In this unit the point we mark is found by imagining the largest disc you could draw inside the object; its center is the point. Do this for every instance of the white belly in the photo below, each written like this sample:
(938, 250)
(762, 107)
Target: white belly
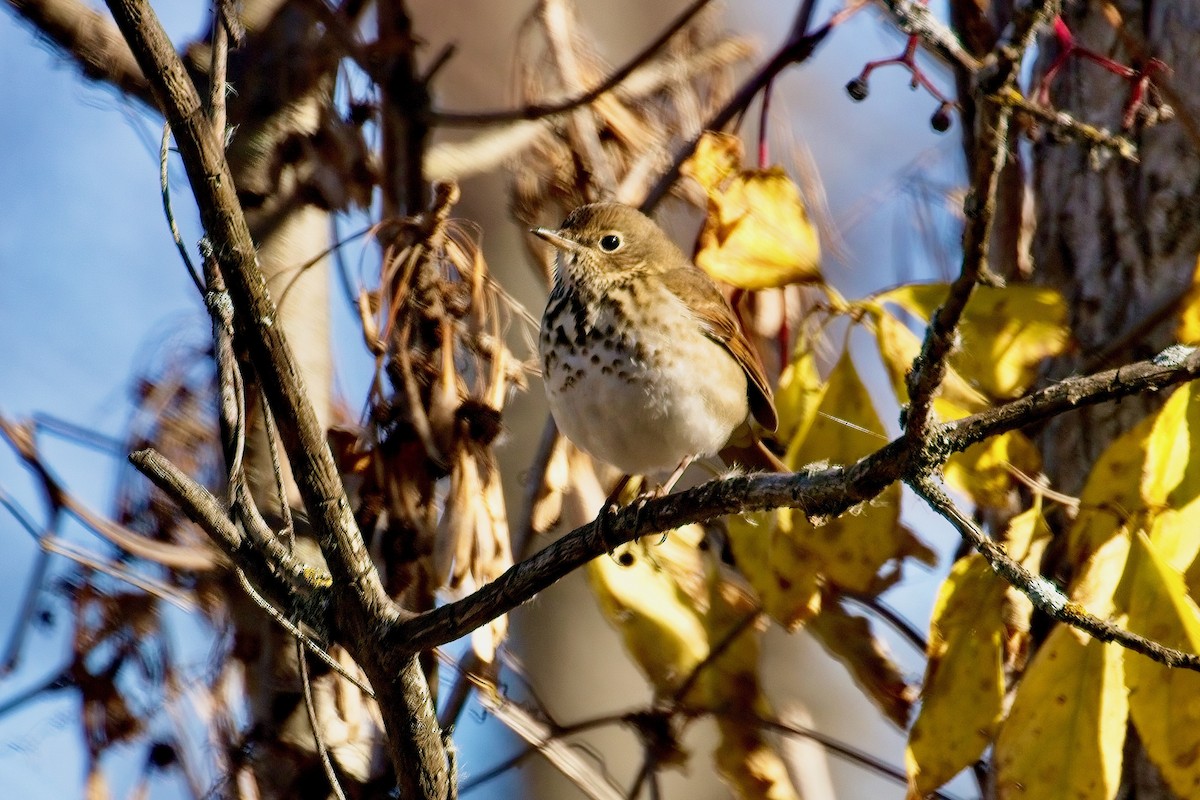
(644, 415)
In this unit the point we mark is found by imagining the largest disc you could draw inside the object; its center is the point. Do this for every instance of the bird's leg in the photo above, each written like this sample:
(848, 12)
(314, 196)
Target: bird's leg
(666, 488)
(612, 504)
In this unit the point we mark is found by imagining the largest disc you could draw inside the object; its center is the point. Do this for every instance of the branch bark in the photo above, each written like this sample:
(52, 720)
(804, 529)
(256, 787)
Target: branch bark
(90, 39)
(820, 492)
(360, 606)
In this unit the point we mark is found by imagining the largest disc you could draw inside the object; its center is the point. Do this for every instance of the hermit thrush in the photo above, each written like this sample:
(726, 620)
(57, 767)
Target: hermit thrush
(645, 364)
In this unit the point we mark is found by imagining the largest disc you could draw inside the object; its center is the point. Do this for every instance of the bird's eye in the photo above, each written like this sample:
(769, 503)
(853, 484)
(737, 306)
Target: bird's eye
(610, 242)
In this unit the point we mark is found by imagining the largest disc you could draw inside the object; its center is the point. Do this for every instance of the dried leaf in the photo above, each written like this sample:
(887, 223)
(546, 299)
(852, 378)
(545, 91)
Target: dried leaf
(456, 530)
(850, 639)
(757, 234)
(750, 765)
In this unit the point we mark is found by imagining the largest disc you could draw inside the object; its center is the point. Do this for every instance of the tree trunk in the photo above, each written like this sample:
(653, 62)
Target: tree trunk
(1118, 239)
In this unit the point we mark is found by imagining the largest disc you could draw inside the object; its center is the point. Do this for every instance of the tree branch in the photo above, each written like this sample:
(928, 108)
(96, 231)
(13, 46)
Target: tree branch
(280, 576)
(539, 110)
(797, 48)
(88, 38)
(233, 248)
(917, 19)
(817, 492)
(359, 604)
(1045, 595)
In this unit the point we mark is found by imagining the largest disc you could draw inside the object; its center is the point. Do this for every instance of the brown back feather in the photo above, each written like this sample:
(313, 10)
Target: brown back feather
(721, 325)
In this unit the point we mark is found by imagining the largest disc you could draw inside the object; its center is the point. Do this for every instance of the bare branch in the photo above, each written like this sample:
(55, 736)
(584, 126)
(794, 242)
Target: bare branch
(234, 250)
(1047, 597)
(917, 19)
(277, 578)
(88, 37)
(358, 603)
(991, 152)
(539, 110)
(796, 49)
(817, 492)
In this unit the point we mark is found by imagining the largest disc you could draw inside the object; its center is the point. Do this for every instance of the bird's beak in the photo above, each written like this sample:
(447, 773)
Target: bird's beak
(555, 238)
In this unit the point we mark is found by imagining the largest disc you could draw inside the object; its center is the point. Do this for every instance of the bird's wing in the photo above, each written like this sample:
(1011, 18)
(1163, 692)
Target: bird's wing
(697, 290)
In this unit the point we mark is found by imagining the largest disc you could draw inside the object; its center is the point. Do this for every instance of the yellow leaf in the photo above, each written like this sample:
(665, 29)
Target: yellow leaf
(799, 394)
(1026, 540)
(778, 565)
(963, 692)
(717, 157)
(1188, 331)
(851, 548)
(1171, 477)
(757, 234)
(849, 638)
(1063, 737)
(1005, 332)
(898, 346)
(1165, 703)
(646, 592)
(1111, 496)
(979, 624)
(984, 470)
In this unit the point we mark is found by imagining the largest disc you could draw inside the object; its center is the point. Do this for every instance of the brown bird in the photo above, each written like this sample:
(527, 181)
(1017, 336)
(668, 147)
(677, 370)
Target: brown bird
(644, 362)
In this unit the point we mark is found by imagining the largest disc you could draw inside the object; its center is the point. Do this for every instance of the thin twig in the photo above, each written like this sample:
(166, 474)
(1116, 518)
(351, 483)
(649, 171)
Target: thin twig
(313, 646)
(716, 651)
(175, 556)
(929, 367)
(285, 511)
(330, 773)
(797, 48)
(204, 509)
(540, 110)
(78, 434)
(1065, 125)
(233, 247)
(29, 605)
(164, 183)
(94, 561)
(893, 618)
(849, 753)
(1044, 595)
